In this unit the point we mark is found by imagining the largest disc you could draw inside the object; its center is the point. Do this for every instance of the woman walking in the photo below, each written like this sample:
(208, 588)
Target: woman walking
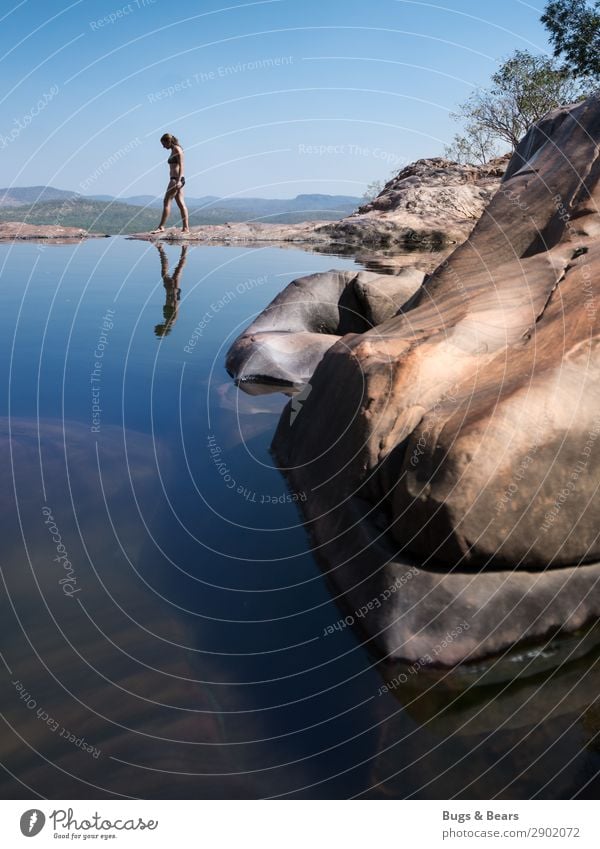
(176, 183)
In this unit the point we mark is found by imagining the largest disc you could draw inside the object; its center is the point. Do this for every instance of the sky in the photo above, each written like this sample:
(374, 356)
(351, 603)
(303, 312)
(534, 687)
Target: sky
(271, 98)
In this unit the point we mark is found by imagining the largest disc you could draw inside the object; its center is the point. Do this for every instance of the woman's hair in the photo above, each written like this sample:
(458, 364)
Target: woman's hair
(169, 139)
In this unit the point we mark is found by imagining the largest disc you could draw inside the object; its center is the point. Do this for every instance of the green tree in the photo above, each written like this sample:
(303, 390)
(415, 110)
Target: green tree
(522, 90)
(574, 27)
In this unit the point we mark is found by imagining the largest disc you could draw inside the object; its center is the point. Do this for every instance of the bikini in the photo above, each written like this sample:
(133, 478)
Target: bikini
(174, 160)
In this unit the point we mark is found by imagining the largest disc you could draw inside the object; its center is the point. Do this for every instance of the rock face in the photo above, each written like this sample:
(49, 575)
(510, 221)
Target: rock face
(431, 204)
(452, 485)
(17, 230)
(288, 339)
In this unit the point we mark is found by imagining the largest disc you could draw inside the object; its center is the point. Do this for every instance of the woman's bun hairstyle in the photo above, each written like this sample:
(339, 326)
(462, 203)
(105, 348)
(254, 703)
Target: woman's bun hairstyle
(169, 139)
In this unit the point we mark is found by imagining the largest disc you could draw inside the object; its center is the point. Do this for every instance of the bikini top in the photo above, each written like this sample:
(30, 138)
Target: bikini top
(172, 160)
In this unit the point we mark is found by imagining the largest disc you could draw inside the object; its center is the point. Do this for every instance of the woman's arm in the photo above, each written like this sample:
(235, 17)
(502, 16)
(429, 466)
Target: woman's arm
(181, 161)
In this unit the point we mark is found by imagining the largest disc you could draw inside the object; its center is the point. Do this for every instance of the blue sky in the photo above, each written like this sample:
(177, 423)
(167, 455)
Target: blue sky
(271, 99)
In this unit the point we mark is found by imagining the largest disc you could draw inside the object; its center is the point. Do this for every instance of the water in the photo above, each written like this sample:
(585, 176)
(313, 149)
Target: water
(163, 621)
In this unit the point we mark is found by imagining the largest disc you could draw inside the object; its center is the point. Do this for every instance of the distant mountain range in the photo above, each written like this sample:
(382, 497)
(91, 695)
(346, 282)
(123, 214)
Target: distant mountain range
(26, 195)
(107, 214)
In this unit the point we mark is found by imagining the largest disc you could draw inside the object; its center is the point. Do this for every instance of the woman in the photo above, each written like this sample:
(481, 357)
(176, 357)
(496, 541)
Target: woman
(176, 183)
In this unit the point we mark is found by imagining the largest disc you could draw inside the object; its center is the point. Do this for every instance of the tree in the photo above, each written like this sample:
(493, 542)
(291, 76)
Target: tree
(574, 27)
(522, 90)
(373, 189)
(477, 145)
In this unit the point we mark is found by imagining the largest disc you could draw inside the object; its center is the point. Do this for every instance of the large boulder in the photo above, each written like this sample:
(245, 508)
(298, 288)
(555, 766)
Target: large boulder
(455, 486)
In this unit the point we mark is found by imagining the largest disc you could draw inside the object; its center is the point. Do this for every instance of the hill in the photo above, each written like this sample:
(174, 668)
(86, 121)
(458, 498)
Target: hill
(27, 195)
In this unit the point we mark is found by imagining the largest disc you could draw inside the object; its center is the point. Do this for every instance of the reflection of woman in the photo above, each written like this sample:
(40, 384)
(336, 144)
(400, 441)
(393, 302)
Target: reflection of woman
(176, 183)
(172, 290)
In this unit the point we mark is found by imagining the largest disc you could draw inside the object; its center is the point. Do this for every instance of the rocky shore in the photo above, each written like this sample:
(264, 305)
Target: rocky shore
(11, 231)
(241, 232)
(430, 205)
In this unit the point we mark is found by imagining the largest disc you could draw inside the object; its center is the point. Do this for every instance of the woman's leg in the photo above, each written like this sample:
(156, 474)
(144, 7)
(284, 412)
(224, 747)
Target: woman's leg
(169, 195)
(183, 209)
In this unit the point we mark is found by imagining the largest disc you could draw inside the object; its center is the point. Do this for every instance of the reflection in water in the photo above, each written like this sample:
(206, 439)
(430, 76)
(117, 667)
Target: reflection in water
(522, 725)
(172, 289)
(147, 666)
(380, 261)
(196, 656)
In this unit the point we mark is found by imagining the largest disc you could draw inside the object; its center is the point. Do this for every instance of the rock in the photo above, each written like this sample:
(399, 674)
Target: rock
(16, 230)
(242, 232)
(288, 339)
(431, 204)
(383, 295)
(456, 480)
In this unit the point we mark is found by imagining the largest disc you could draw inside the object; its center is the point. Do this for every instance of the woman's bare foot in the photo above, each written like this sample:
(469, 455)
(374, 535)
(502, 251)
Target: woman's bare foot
(185, 229)
(158, 230)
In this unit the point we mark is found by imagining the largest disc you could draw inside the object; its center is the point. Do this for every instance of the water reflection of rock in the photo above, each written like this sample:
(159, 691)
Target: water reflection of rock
(517, 726)
(250, 414)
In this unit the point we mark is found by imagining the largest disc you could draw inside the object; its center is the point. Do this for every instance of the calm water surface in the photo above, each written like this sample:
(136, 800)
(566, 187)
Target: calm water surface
(162, 617)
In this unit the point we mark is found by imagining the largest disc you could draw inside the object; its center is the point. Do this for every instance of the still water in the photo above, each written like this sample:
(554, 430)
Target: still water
(165, 630)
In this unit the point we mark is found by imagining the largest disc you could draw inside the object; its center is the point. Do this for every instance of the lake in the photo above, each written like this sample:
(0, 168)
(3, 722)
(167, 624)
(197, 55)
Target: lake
(165, 629)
